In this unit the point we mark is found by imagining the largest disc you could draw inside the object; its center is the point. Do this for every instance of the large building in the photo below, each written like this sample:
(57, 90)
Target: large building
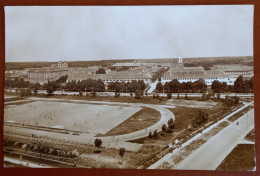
(123, 76)
(192, 74)
(235, 70)
(13, 74)
(45, 74)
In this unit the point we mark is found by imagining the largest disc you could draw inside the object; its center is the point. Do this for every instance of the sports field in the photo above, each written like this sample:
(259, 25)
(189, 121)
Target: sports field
(98, 119)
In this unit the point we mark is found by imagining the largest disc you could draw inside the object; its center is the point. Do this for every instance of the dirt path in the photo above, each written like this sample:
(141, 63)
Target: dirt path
(213, 152)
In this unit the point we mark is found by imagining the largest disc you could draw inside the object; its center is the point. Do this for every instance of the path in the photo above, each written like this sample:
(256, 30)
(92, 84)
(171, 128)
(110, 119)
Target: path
(24, 163)
(152, 87)
(169, 155)
(214, 151)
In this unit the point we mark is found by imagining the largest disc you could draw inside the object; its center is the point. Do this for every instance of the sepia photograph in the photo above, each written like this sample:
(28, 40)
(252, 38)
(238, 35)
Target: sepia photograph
(166, 87)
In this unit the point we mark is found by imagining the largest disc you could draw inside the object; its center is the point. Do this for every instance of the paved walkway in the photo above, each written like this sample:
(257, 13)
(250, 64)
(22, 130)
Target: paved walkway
(152, 87)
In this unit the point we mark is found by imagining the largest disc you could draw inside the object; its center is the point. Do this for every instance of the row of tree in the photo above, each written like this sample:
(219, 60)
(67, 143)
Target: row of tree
(240, 86)
(88, 85)
(176, 87)
(126, 86)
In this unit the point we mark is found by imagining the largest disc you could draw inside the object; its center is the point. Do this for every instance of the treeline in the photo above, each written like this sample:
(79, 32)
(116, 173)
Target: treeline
(176, 87)
(126, 86)
(103, 63)
(207, 65)
(23, 65)
(240, 86)
(88, 85)
(25, 87)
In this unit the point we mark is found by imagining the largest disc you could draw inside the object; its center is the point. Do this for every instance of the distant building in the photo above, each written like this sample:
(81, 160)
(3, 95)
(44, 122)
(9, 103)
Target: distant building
(179, 67)
(61, 65)
(122, 76)
(235, 70)
(45, 74)
(192, 76)
(135, 64)
(13, 74)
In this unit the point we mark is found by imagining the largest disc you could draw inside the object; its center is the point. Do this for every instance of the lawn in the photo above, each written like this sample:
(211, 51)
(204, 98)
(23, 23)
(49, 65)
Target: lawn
(241, 158)
(140, 120)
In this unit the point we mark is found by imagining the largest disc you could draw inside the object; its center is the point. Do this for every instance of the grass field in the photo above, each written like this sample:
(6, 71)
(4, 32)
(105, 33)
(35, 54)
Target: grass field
(140, 120)
(241, 158)
(98, 119)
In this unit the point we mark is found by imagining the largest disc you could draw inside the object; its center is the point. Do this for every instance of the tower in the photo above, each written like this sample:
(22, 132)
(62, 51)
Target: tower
(180, 60)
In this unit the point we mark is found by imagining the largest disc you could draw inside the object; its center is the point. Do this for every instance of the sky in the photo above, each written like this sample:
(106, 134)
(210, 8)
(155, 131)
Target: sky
(127, 32)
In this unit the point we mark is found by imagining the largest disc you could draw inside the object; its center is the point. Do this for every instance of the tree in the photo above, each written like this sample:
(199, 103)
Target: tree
(51, 87)
(218, 96)
(122, 152)
(249, 85)
(159, 87)
(150, 135)
(186, 96)
(26, 92)
(188, 86)
(236, 100)
(98, 142)
(216, 86)
(139, 94)
(171, 123)
(169, 95)
(202, 117)
(174, 86)
(203, 96)
(155, 134)
(36, 87)
(164, 127)
(239, 85)
(101, 71)
(200, 86)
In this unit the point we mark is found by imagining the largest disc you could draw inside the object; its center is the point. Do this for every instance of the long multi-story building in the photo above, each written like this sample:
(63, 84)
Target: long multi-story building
(235, 70)
(226, 73)
(123, 76)
(45, 74)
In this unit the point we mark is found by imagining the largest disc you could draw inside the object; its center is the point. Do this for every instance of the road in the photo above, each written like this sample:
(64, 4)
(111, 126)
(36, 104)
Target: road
(167, 157)
(214, 151)
(150, 93)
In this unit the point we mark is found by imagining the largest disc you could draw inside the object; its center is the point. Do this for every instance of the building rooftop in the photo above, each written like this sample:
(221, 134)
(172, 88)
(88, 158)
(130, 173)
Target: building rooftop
(112, 76)
(234, 67)
(194, 74)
